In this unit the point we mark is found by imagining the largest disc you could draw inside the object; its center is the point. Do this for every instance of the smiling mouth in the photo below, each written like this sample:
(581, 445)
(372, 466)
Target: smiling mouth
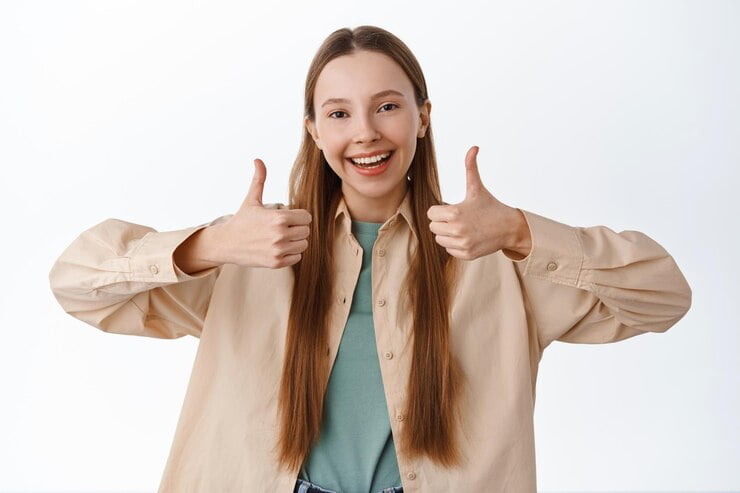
(371, 165)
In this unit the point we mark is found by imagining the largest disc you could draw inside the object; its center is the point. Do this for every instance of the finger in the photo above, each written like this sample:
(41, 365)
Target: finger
(444, 213)
(297, 217)
(473, 183)
(443, 228)
(298, 232)
(254, 195)
(458, 253)
(291, 259)
(447, 241)
(298, 246)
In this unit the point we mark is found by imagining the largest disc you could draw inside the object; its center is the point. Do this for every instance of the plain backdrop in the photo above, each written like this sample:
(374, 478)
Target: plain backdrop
(624, 114)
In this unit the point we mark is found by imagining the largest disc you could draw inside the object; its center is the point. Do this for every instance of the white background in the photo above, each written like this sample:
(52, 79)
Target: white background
(625, 114)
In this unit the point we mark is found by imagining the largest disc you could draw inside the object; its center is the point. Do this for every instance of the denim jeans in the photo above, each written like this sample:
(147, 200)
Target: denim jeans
(303, 486)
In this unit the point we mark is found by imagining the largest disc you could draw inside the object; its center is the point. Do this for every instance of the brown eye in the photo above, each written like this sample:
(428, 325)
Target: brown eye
(389, 104)
(334, 113)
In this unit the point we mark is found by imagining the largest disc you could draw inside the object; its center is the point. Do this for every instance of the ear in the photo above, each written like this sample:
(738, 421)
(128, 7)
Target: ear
(424, 112)
(311, 126)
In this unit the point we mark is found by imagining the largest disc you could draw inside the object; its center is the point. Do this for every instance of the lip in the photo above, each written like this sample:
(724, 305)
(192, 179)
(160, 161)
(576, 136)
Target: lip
(369, 154)
(374, 171)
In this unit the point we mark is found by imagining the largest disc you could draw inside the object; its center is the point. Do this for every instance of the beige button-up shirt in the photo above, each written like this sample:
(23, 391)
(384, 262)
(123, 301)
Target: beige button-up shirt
(578, 284)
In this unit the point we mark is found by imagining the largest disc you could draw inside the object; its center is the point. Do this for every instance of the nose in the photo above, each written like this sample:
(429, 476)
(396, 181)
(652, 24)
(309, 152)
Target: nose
(365, 130)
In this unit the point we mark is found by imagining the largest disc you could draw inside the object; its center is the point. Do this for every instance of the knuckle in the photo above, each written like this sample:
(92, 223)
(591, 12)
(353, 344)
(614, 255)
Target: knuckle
(280, 219)
(291, 260)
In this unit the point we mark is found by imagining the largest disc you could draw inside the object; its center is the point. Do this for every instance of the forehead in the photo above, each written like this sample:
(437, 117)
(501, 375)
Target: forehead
(360, 75)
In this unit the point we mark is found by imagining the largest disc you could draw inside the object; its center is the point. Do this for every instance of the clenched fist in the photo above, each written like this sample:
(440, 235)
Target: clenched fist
(480, 224)
(257, 236)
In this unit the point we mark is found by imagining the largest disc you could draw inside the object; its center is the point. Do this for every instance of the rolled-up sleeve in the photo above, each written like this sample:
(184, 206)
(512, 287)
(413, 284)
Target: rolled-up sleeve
(594, 285)
(121, 277)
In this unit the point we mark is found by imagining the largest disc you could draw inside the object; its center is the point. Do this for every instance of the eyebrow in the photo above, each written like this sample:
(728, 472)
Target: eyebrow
(381, 94)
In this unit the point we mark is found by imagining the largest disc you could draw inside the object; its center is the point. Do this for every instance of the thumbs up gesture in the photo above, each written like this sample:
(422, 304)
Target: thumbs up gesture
(257, 236)
(480, 224)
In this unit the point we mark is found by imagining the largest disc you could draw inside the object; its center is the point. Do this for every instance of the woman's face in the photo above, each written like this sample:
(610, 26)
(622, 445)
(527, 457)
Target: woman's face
(364, 106)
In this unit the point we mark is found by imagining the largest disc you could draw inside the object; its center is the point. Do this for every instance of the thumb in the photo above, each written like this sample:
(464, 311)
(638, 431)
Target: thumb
(473, 183)
(254, 196)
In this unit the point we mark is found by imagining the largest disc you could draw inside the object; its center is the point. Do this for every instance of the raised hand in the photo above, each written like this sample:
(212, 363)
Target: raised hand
(480, 224)
(257, 236)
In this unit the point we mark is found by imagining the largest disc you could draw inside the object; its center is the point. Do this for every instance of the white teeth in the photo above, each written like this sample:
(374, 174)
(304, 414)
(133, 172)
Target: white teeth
(370, 160)
(369, 166)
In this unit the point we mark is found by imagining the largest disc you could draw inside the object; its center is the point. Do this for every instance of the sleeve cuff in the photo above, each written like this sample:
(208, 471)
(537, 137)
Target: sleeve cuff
(153, 260)
(557, 252)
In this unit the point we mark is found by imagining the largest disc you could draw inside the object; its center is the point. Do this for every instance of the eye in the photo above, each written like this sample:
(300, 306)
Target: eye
(389, 104)
(334, 113)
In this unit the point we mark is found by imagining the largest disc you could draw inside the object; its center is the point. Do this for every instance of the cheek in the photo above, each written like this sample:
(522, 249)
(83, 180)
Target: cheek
(335, 158)
(402, 130)
(338, 170)
(334, 145)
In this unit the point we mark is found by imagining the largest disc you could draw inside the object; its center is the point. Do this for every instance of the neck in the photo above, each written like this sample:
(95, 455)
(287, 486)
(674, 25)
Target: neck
(374, 209)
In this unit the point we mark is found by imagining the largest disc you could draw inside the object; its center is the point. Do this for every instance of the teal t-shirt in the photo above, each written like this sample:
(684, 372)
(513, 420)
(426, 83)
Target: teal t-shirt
(355, 452)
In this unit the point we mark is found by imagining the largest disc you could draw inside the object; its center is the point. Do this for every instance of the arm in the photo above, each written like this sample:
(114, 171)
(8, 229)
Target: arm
(121, 277)
(594, 285)
(520, 244)
(194, 254)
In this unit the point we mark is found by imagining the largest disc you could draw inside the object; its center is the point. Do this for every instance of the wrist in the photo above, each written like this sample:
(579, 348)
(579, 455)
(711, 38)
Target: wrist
(520, 239)
(198, 252)
(208, 246)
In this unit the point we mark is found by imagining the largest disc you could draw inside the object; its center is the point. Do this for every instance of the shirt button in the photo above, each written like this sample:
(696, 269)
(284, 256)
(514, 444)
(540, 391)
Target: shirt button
(154, 269)
(381, 302)
(411, 475)
(381, 252)
(552, 266)
(388, 355)
(399, 417)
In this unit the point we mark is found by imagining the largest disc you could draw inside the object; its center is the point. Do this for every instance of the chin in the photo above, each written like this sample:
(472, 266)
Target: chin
(376, 190)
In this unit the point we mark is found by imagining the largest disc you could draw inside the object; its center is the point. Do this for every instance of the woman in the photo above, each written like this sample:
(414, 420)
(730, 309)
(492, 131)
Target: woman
(367, 336)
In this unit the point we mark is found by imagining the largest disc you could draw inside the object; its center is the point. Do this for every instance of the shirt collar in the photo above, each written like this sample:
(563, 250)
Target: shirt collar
(404, 210)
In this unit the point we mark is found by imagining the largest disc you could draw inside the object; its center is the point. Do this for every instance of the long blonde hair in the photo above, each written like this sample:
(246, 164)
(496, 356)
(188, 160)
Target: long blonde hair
(435, 379)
